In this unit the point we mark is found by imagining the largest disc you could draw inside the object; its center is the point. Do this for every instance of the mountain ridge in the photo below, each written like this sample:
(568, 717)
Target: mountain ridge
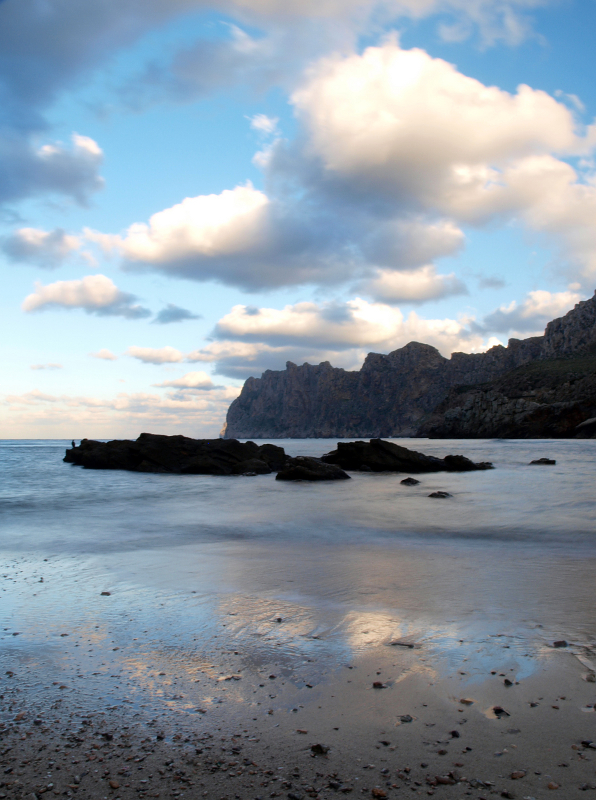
(414, 390)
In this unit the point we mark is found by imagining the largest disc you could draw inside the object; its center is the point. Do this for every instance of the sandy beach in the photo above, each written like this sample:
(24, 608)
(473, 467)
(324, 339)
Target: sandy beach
(389, 723)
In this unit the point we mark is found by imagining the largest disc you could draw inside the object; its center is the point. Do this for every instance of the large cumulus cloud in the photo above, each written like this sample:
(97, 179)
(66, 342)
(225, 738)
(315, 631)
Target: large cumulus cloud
(397, 153)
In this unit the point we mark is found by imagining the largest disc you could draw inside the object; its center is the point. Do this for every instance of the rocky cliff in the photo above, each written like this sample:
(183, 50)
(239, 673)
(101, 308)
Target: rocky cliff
(507, 391)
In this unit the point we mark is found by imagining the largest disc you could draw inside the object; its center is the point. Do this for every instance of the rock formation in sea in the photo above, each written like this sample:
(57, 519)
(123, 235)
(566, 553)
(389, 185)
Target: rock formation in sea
(535, 387)
(184, 456)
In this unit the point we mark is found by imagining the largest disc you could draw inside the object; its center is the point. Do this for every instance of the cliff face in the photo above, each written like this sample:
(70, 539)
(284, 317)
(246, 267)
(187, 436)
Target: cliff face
(415, 390)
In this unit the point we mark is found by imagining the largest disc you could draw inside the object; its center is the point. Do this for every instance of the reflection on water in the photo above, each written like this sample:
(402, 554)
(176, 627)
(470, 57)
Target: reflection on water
(210, 575)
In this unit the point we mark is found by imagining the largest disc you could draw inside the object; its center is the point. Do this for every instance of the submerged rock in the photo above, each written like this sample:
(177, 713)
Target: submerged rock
(178, 454)
(410, 482)
(304, 468)
(382, 456)
(543, 461)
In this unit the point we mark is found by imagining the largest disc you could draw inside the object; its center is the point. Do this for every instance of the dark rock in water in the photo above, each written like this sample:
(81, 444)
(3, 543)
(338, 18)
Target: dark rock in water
(560, 643)
(440, 495)
(304, 468)
(382, 456)
(410, 482)
(255, 466)
(178, 454)
(549, 461)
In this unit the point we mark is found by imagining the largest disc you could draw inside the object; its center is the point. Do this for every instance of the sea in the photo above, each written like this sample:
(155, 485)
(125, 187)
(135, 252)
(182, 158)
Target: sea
(136, 572)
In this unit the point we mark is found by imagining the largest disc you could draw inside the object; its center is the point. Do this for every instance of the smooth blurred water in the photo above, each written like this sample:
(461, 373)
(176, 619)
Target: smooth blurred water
(195, 561)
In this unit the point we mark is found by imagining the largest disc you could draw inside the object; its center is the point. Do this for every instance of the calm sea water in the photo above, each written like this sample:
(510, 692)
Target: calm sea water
(198, 561)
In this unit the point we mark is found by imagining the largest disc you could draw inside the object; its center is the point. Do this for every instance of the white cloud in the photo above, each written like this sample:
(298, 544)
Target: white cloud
(152, 355)
(95, 294)
(532, 315)
(264, 124)
(401, 122)
(355, 323)
(125, 415)
(417, 286)
(46, 366)
(47, 249)
(206, 226)
(192, 380)
(104, 355)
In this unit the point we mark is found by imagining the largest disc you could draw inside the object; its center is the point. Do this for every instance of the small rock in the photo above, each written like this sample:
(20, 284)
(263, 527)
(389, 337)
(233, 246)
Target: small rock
(455, 734)
(379, 793)
(466, 701)
(500, 711)
(406, 718)
(445, 780)
(545, 461)
(409, 482)
(114, 784)
(403, 643)
(519, 773)
(319, 749)
(440, 495)
(105, 594)
(553, 785)
(560, 643)
(379, 685)
(507, 682)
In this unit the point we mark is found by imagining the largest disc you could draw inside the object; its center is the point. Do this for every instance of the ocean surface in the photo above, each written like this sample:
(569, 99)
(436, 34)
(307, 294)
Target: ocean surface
(200, 565)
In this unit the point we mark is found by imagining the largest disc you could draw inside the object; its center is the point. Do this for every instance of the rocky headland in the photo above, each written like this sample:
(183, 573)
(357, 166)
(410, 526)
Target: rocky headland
(543, 386)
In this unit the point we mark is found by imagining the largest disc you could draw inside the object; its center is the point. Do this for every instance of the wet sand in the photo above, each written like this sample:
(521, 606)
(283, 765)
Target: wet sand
(393, 721)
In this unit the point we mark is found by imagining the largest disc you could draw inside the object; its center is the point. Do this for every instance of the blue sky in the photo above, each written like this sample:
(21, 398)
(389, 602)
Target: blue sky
(192, 192)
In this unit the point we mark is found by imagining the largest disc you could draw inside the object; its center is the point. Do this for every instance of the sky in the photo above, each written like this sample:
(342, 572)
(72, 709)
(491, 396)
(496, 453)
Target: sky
(195, 191)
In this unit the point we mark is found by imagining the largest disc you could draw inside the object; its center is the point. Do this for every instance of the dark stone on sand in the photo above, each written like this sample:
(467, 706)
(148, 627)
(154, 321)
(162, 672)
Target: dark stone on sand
(178, 454)
(304, 468)
(382, 456)
(560, 643)
(409, 482)
(440, 495)
(543, 461)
